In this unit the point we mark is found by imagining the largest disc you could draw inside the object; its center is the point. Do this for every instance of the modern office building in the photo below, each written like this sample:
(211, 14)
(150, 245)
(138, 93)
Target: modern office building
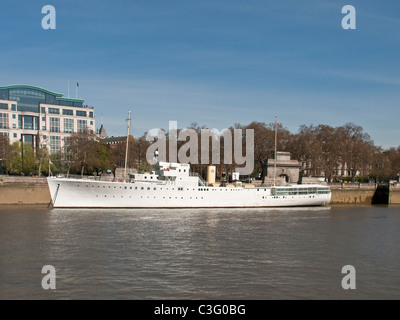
(40, 117)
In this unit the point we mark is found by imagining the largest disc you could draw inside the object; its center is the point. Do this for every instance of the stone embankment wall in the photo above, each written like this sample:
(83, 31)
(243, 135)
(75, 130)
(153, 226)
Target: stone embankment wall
(340, 196)
(361, 194)
(29, 190)
(394, 196)
(24, 190)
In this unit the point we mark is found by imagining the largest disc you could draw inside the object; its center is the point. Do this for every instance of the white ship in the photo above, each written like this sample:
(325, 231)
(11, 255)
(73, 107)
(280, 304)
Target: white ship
(172, 185)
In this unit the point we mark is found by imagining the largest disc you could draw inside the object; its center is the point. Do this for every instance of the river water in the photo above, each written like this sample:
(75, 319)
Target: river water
(256, 254)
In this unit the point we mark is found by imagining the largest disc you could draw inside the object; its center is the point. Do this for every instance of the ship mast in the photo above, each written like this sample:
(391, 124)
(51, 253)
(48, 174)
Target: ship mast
(127, 145)
(276, 134)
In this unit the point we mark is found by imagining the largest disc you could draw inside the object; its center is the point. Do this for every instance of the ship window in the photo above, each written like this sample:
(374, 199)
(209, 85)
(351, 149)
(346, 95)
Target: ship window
(148, 188)
(130, 188)
(135, 188)
(155, 189)
(142, 188)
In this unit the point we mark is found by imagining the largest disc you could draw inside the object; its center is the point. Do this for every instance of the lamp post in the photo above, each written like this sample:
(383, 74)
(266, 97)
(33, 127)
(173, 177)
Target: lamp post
(22, 152)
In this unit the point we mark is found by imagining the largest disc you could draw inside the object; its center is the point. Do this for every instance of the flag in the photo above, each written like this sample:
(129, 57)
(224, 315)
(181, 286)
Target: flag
(77, 84)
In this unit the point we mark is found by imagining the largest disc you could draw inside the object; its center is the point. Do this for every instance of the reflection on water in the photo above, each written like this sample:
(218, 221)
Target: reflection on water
(291, 253)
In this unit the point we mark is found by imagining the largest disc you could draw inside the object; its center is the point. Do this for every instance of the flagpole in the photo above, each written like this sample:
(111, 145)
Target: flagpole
(275, 151)
(77, 85)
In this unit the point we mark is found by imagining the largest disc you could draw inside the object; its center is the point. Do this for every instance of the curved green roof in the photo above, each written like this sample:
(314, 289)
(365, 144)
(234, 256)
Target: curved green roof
(59, 96)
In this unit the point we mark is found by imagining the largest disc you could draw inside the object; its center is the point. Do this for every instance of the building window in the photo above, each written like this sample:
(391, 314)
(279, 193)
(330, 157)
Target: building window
(81, 113)
(54, 110)
(13, 116)
(15, 135)
(4, 106)
(54, 124)
(82, 125)
(43, 110)
(55, 144)
(4, 94)
(3, 120)
(91, 114)
(68, 112)
(14, 107)
(30, 123)
(28, 99)
(68, 125)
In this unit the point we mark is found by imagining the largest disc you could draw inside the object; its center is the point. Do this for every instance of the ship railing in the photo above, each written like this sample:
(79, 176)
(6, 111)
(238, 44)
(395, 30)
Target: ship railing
(202, 182)
(80, 177)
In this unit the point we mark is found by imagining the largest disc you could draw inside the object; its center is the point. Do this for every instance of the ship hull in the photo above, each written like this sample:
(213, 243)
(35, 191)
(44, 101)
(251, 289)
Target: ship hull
(73, 193)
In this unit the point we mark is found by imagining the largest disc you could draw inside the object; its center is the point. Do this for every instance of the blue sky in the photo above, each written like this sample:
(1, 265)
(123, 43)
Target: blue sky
(213, 62)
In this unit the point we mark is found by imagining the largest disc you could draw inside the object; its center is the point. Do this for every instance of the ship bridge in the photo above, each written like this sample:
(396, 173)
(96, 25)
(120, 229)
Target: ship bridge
(170, 173)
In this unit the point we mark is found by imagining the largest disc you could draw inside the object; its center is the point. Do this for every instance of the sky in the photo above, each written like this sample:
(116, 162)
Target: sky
(213, 62)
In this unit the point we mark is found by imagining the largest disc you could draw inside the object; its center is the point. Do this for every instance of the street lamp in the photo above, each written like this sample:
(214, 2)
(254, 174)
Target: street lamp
(22, 152)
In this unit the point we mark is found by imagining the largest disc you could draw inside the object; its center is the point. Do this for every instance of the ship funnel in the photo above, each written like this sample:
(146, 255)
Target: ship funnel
(211, 172)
